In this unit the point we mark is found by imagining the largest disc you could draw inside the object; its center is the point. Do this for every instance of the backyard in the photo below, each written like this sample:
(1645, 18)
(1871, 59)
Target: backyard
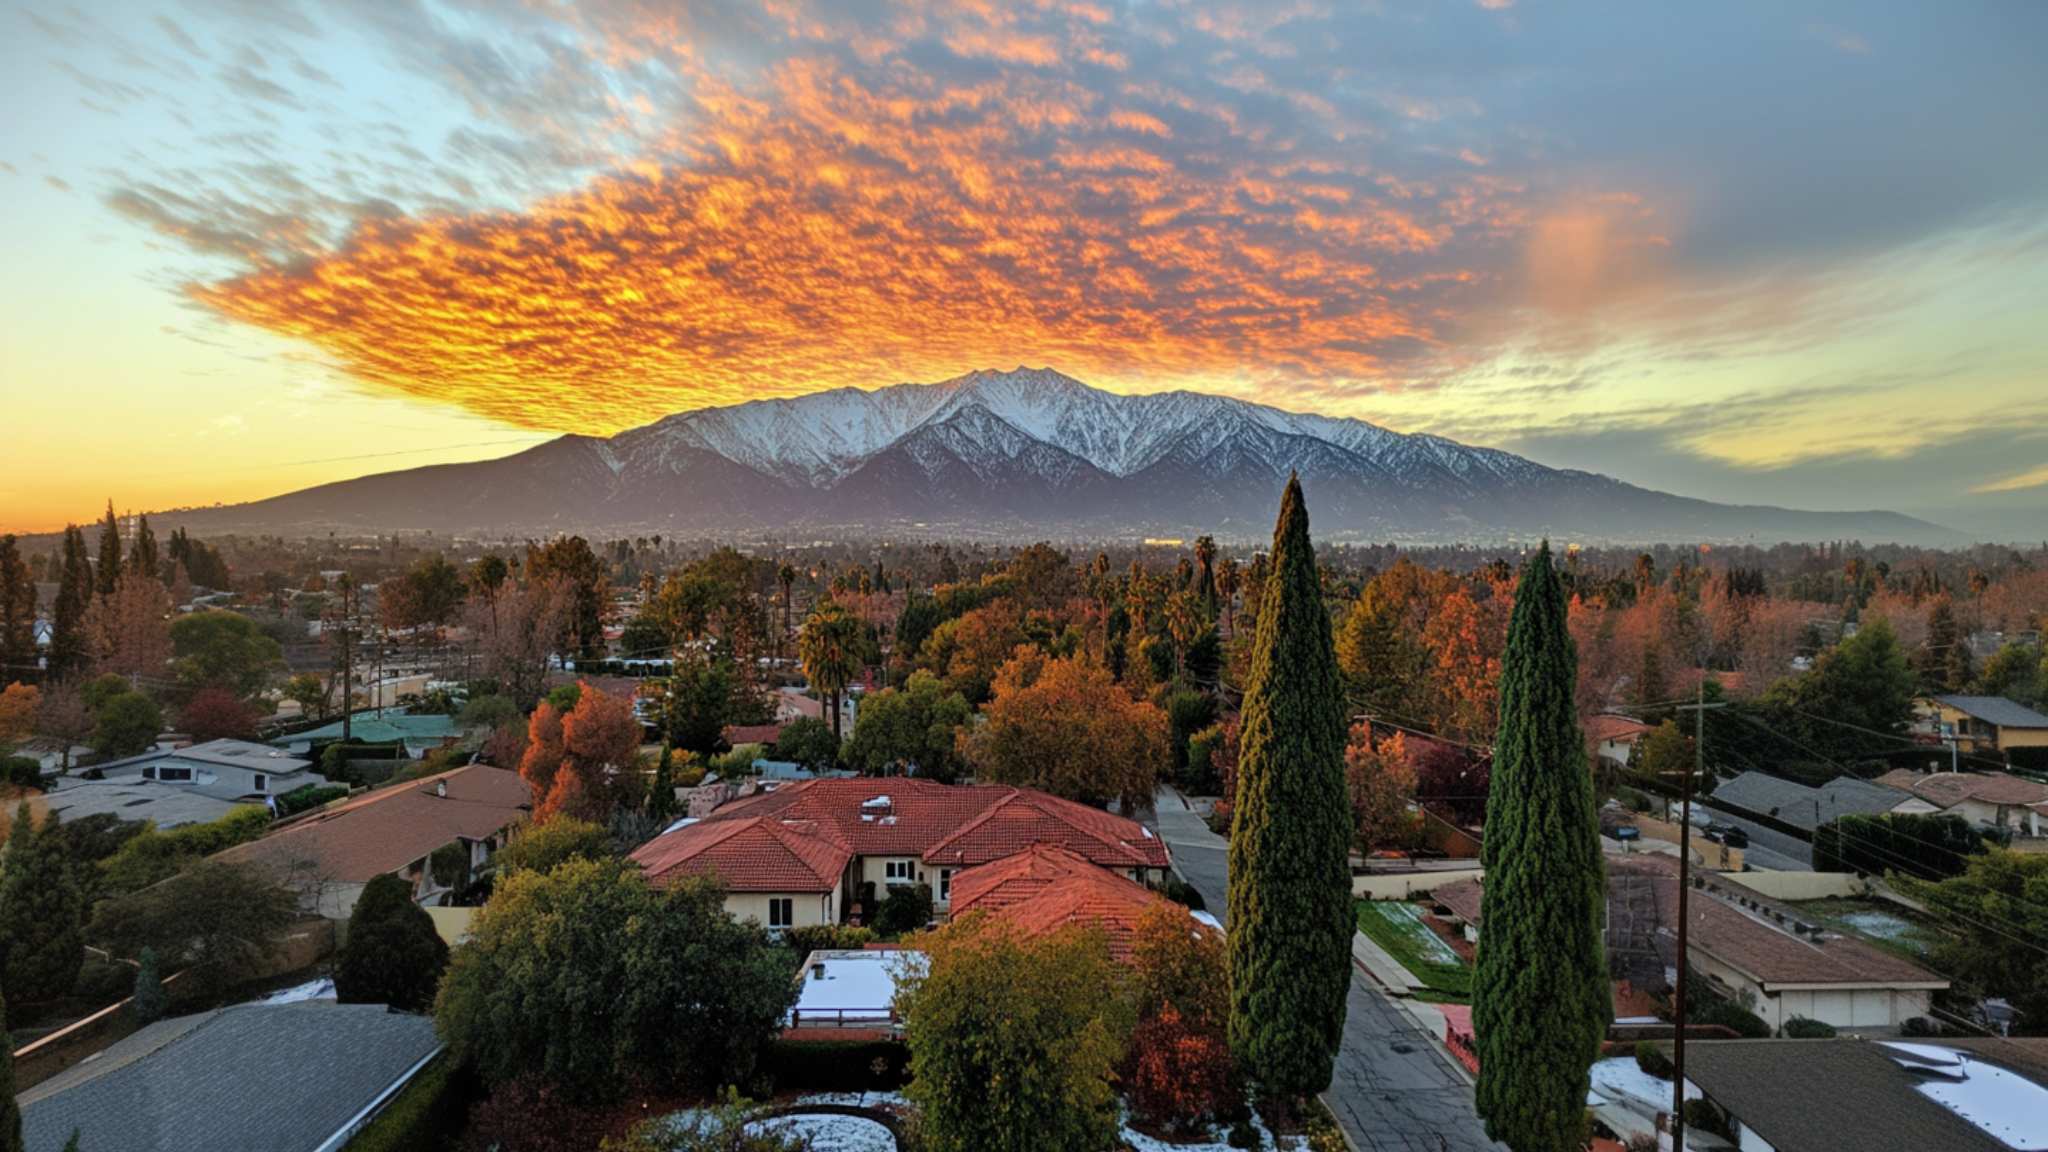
(1401, 930)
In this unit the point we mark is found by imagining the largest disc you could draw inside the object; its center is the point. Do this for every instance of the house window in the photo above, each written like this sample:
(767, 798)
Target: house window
(781, 912)
(149, 773)
(260, 783)
(183, 775)
(897, 871)
(945, 885)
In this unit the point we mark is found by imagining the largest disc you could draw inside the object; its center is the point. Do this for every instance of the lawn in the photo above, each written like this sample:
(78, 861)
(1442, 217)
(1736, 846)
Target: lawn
(1890, 926)
(1399, 928)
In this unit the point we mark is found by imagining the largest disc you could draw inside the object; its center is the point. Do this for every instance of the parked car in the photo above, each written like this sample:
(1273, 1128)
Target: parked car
(1626, 833)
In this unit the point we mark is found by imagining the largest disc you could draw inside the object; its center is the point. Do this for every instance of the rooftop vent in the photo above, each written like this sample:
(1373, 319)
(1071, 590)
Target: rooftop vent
(818, 971)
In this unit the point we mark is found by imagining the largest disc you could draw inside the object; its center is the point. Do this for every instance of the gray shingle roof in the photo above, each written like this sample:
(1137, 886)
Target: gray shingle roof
(277, 1077)
(1802, 807)
(1996, 710)
(1828, 1095)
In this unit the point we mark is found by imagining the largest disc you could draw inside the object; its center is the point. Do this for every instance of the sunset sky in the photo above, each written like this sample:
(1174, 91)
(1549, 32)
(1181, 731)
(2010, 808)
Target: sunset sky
(1794, 254)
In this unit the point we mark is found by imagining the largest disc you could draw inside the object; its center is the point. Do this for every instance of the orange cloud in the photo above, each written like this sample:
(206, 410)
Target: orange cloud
(823, 226)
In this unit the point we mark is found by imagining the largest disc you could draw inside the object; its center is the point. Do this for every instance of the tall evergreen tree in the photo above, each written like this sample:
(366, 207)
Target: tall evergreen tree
(17, 614)
(150, 1002)
(10, 1111)
(1540, 1002)
(142, 555)
(42, 912)
(70, 649)
(108, 572)
(1290, 883)
(661, 795)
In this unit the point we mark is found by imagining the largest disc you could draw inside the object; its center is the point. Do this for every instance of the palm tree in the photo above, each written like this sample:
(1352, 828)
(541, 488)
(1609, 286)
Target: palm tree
(829, 646)
(1205, 560)
(786, 576)
(1226, 587)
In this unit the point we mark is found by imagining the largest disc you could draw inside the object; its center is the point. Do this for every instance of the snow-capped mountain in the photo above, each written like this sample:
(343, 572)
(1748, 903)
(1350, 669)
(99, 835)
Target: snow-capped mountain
(1029, 451)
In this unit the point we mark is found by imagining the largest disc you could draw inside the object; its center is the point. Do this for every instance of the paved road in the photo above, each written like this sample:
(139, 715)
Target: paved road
(1394, 1090)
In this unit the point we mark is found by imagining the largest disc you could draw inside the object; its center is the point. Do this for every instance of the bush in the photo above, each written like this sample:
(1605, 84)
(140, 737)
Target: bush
(222, 921)
(1702, 1116)
(393, 954)
(1181, 892)
(1180, 1076)
(1801, 1028)
(907, 908)
(729, 1127)
(1652, 1060)
(825, 938)
(126, 724)
(1919, 1026)
(308, 797)
(1729, 1014)
(421, 1116)
(544, 847)
(21, 772)
(531, 1115)
(152, 855)
(1244, 1134)
(837, 1066)
(449, 864)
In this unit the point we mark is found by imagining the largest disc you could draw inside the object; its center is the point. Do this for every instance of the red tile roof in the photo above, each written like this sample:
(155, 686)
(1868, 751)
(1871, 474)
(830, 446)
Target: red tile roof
(385, 830)
(1045, 887)
(756, 854)
(953, 825)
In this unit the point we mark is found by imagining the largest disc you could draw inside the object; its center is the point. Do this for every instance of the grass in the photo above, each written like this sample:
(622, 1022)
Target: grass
(1450, 983)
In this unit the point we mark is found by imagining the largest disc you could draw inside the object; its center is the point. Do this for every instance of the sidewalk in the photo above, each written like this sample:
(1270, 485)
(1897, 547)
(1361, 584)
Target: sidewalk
(1384, 968)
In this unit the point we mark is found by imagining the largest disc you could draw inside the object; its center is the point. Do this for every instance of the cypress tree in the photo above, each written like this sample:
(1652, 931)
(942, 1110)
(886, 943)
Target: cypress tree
(1540, 1001)
(17, 614)
(10, 1112)
(1290, 881)
(42, 912)
(149, 1001)
(68, 654)
(142, 557)
(661, 797)
(108, 573)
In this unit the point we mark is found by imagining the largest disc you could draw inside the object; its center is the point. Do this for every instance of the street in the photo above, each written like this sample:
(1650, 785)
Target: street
(1393, 1090)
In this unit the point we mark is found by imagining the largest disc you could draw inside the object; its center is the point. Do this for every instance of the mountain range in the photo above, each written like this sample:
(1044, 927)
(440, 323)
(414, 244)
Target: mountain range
(1028, 452)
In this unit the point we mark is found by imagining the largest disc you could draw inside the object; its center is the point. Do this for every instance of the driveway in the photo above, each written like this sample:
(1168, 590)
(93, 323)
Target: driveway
(1394, 1090)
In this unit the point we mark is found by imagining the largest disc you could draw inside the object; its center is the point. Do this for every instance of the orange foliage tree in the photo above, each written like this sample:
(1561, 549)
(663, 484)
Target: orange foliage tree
(1179, 1070)
(543, 754)
(1382, 787)
(1071, 731)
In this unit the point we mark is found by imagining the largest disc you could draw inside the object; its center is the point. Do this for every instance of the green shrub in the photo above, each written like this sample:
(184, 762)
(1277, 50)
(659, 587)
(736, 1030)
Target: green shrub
(1652, 1060)
(1181, 892)
(1801, 1028)
(421, 1116)
(1729, 1014)
(152, 855)
(21, 771)
(393, 955)
(825, 938)
(907, 908)
(308, 797)
(544, 847)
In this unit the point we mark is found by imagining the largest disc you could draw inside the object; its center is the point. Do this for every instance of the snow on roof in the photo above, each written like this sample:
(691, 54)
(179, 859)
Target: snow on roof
(2003, 1105)
(853, 984)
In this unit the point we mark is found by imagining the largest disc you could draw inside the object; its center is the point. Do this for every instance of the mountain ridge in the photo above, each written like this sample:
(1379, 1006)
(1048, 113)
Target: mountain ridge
(1030, 451)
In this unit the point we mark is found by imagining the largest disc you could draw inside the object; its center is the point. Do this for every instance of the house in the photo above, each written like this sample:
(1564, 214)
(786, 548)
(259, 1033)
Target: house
(1611, 739)
(165, 805)
(766, 734)
(880, 834)
(1826, 1095)
(1046, 887)
(222, 769)
(1988, 799)
(797, 703)
(420, 734)
(845, 992)
(331, 854)
(1985, 725)
(1759, 794)
(295, 1077)
(1754, 951)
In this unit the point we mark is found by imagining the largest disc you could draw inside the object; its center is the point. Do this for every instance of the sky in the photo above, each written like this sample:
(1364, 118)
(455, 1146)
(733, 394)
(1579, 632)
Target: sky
(1752, 252)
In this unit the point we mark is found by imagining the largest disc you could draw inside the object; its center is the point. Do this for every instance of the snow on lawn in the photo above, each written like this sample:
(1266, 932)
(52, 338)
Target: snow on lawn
(311, 990)
(1407, 919)
(1882, 926)
(831, 1133)
(886, 1101)
(1140, 1142)
(1621, 1080)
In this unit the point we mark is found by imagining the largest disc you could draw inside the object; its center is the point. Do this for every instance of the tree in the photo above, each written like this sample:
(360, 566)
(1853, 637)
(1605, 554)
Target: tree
(543, 847)
(142, 555)
(1013, 1041)
(809, 741)
(829, 646)
(1381, 781)
(2014, 672)
(1539, 992)
(223, 650)
(62, 715)
(126, 724)
(131, 629)
(216, 714)
(149, 1001)
(10, 1109)
(1855, 702)
(220, 921)
(1927, 846)
(519, 626)
(17, 613)
(699, 704)
(1664, 754)
(912, 728)
(393, 955)
(426, 596)
(108, 571)
(41, 913)
(1071, 732)
(1180, 1072)
(543, 755)
(70, 651)
(1290, 875)
(587, 582)
(785, 576)
(1996, 919)
(19, 705)
(661, 794)
(601, 746)
(586, 975)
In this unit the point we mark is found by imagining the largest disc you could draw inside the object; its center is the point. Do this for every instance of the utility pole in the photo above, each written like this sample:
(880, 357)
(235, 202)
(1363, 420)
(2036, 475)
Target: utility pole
(348, 652)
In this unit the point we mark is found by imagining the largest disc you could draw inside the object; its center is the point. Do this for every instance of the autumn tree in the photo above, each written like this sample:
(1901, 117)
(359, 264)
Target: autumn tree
(1290, 876)
(585, 578)
(19, 705)
(1381, 783)
(1072, 732)
(216, 714)
(428, 595)
(519, 626)
(1179, 1072)
(542, 757)
(1539, 994)
(599, 762)
(1014, 1041)
(131, 629)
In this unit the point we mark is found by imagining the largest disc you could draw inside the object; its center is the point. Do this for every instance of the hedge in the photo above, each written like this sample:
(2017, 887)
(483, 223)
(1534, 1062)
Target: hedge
(423, 1115)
